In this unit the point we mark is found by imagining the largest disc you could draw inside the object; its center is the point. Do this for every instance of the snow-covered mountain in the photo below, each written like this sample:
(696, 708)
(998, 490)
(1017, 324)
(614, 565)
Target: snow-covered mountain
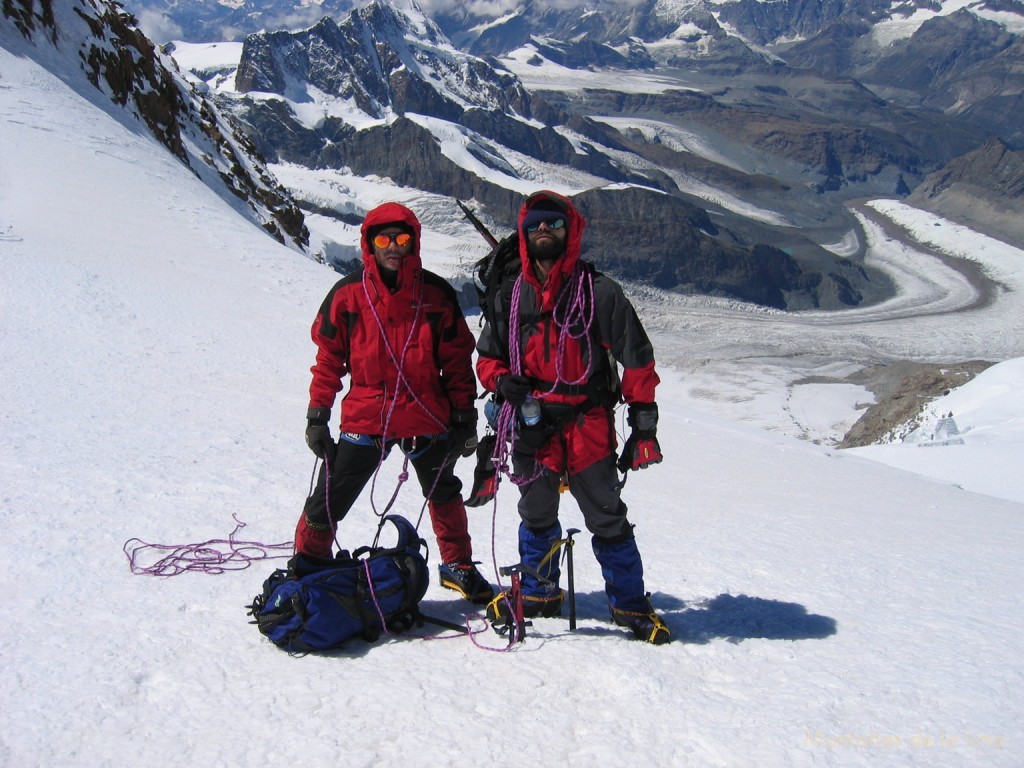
(827, 609)
(99, 50)
(502, 26)
(744, 148)
(962, 58)
(382, 61)
(384, 93)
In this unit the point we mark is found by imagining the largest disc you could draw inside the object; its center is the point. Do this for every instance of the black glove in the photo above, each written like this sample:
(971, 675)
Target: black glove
(462, 433)
(514, 388)
(642, 448)
(318, 434)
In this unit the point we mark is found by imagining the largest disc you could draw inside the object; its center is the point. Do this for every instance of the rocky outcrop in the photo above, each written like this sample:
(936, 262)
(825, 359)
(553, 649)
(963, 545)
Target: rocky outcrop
(902, 391)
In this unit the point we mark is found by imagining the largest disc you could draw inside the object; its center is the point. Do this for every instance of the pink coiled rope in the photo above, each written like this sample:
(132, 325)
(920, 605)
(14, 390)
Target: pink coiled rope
(574, 307)
(213, 557)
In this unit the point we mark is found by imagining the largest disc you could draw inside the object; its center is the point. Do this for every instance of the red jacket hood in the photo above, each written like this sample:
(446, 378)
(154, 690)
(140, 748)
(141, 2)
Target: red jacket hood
(564, 266)
(392, 213)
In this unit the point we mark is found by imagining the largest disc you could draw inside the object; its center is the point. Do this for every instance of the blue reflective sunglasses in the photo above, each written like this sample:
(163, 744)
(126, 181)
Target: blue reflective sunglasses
(550, 224)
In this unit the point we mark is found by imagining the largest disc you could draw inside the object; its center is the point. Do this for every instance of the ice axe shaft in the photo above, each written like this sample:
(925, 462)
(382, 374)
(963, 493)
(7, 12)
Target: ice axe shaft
(516, 621)
(572, 578)
(479, 225)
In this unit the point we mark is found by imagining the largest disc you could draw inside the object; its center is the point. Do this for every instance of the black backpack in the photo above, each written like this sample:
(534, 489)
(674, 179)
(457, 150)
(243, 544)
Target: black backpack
(489, 272)
(317, 604)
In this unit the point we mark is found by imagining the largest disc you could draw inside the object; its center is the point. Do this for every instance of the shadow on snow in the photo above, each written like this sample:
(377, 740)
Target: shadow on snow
(734, 618)
(741, 617)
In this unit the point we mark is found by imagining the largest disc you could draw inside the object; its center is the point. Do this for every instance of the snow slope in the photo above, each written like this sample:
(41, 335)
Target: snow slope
(828, 609)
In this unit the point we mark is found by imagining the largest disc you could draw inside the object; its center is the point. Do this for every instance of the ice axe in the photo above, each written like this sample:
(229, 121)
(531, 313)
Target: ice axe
(516, 621)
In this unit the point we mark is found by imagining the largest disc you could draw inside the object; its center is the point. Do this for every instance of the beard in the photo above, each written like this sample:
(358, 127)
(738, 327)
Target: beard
(548, 250)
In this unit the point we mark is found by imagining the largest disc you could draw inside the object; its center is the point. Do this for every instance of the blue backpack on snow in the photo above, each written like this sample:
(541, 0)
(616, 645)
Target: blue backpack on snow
(316, 604)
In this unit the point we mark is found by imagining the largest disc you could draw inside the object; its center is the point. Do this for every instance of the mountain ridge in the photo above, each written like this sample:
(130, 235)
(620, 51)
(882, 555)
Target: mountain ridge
(385, 137)
(385, 91)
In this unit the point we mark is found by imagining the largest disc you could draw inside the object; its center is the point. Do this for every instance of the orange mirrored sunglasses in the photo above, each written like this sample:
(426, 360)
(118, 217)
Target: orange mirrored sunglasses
(383, 241)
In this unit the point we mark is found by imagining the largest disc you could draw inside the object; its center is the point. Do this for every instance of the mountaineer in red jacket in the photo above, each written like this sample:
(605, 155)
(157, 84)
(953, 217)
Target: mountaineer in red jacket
(397, 332)
(555, 337)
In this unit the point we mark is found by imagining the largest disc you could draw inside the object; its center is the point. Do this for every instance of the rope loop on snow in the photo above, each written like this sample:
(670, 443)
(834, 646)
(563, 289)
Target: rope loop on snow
(212, 557)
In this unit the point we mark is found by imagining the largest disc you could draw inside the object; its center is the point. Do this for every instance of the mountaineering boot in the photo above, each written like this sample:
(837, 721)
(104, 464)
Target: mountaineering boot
(313, 539)
(465, 579)
(645, 626)
(501, 608)
(623, 572)
(457, 570)
(539, 551)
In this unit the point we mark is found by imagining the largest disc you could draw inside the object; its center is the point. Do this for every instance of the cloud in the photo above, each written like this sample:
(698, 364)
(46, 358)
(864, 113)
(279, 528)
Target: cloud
(493, 8)
(298, 18)
(158, 27)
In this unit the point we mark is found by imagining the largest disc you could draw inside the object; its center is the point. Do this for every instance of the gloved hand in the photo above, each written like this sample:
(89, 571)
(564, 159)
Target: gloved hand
(514, 388)
(462, 433)
(485, 476)
(642, 448)
(318, 434)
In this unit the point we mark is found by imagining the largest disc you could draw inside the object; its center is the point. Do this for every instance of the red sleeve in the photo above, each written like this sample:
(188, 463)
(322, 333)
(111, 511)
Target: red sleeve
(488, 369)
(331, 339)
(639, 384)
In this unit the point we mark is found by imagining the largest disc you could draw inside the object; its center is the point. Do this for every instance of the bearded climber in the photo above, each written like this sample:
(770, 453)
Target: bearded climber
(548, 342)
(398, 333)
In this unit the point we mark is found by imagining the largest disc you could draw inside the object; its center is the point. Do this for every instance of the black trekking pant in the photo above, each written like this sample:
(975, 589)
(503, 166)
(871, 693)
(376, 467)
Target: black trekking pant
(354, 465)
(595, 490)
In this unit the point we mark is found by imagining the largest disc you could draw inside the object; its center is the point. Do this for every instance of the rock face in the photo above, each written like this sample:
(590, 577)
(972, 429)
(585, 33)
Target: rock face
(984, 188)
(118, 59)
(993, 167)
(671, 247)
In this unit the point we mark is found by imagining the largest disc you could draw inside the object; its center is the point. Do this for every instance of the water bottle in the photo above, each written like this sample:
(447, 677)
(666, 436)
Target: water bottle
(530, 411)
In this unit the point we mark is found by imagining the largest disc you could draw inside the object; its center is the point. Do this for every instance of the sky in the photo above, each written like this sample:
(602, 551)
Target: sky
(828, 608)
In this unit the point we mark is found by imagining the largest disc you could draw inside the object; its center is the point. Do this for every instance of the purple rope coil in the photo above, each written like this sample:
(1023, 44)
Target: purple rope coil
(212, 557)
(574, 307)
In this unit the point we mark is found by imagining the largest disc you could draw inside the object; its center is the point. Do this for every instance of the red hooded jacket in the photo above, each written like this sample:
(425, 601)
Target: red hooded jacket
(616, 328)
(408, 353)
